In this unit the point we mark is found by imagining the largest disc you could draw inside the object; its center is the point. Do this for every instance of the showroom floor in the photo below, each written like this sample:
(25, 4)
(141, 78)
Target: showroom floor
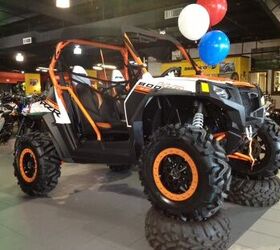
(93, 208)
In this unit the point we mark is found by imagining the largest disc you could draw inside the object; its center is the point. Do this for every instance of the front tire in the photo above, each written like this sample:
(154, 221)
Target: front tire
(36, 164)
(266, 148)
(184, 172)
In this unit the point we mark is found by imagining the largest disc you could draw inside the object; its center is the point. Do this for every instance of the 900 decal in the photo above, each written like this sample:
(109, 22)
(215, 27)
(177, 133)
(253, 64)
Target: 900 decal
(144, 88)
(148, 87)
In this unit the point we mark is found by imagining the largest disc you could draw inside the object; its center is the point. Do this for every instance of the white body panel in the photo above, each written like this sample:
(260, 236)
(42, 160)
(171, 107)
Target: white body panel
(63, 117)
(168, 82)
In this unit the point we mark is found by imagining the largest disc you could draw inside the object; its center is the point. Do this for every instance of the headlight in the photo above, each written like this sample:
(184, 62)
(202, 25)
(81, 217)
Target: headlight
(221, 92)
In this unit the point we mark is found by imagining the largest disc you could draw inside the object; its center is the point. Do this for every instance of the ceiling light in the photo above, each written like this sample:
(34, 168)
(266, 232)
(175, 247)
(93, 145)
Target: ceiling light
(105, 66)
(98, 68)
(19, 57)
(43, 69)
(77, 50)
(162, 32)
(63, 4)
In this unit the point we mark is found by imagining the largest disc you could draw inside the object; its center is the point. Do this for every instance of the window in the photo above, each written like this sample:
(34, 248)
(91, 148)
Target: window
(259, 78)
(276, 82)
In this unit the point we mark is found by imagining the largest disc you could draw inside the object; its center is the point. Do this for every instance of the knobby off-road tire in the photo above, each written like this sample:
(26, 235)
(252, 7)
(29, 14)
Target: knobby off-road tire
(119, 168)
(36, 164)
(164, 233)
(255, 193)
(269, 134)
(209, 173)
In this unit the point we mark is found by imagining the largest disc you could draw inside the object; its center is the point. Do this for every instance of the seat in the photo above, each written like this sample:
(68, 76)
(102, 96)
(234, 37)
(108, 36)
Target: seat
(119, 91)
(101, 108)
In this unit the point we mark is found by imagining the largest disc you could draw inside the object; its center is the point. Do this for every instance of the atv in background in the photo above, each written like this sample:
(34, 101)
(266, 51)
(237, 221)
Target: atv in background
(182, 132)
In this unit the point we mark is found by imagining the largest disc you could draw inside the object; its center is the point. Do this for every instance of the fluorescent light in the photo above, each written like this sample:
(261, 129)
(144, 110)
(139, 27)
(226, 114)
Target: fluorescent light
(77, 50)
(98, 68)
(43, 69)
(63, 4)
(19, 57)
(105, 66)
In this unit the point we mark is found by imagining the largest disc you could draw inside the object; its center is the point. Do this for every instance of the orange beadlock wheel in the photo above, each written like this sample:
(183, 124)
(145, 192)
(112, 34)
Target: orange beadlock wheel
(28, 165)
(178, 172)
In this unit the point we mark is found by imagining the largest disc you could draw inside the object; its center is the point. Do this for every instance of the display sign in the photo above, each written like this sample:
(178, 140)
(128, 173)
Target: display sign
(32, 84)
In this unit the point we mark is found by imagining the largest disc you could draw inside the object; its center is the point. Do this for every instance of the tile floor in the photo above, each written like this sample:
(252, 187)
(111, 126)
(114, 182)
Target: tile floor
(92, 208)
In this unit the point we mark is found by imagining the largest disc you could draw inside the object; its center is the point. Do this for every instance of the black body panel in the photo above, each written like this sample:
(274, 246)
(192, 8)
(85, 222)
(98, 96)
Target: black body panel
(72, 149)
(242, 109)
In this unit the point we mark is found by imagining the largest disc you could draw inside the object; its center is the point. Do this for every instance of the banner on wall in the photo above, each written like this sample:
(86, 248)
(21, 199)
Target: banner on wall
(236, 68)
(32, 84)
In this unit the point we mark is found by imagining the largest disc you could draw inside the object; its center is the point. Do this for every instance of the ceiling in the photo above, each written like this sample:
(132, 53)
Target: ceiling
(246, 20)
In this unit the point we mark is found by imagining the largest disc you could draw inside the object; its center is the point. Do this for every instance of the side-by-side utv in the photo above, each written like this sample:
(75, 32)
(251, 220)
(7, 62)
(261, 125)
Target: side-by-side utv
(185, 134)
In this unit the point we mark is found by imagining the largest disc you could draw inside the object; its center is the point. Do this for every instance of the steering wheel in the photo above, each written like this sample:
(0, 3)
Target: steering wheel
(176, 71)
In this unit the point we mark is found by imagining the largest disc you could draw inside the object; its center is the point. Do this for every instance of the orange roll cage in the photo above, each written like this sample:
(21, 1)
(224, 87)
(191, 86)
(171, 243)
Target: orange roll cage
(60, 89)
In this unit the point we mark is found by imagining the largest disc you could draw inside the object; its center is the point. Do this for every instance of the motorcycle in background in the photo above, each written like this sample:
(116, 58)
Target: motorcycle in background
(8, 116)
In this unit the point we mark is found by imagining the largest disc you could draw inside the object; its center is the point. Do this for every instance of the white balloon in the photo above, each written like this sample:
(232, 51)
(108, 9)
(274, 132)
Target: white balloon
(194, 21)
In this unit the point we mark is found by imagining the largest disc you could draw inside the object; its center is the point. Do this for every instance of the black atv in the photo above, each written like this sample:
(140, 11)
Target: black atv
(182, 132)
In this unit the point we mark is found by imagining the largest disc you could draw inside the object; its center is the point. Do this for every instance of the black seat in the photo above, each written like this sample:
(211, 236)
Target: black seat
(101, 108)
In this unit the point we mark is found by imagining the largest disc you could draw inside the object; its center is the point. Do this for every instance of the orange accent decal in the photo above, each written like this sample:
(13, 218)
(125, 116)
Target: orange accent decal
(240, 156)
(103, 125)
(21, 165)
(142, 89)
(224, 80)
(156, 174)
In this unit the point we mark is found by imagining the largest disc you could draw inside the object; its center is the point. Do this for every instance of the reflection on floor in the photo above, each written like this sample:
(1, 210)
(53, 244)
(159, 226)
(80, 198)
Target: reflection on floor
(93, 208)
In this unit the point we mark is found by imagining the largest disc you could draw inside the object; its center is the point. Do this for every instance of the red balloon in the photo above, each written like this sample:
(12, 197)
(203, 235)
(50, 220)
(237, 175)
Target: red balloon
(217, 9)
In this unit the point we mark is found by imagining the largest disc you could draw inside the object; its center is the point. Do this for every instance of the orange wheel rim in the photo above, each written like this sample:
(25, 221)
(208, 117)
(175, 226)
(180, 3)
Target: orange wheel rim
(28, 173)
(191, 166)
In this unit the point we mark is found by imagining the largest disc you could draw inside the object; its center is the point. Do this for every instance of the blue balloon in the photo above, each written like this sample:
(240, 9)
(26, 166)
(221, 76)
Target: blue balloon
(214, 47)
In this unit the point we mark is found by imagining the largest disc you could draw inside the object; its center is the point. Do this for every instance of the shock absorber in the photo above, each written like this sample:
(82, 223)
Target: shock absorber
(198, 119)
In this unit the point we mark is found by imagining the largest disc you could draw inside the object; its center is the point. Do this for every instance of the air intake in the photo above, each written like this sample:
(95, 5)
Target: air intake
(174, 13)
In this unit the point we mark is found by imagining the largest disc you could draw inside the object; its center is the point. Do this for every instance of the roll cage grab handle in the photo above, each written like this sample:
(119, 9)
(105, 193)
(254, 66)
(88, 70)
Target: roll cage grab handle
(125, 51)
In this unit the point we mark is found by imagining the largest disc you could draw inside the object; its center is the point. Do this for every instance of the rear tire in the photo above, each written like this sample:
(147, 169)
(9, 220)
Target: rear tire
(255, 193)
(195, 191)
(167, 233)
(36, 164)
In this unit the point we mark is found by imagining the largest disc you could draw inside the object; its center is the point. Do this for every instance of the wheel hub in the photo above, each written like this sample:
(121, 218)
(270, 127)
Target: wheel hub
(28, 165)
(175, 174)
